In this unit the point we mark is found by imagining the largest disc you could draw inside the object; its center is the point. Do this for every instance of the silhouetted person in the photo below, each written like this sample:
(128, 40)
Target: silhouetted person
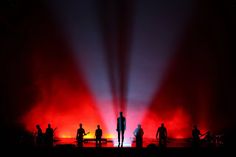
(162, 133)
(80, 135)
(39, 136)
(98, 134)
(196, 136)
(49, 135)
(138, 133)
(121, 126)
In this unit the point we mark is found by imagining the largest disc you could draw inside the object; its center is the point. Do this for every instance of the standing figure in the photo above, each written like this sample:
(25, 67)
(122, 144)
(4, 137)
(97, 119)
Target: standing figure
(162, 132)
(39, 135)
(80, 135)
(196, 136)
(98, 134)
(138, 133)
(121, 126)
(49, 135)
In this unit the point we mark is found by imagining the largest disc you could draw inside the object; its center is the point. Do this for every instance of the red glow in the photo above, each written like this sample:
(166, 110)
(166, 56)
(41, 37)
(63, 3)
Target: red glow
(176, 121)
(192, 84)
(63, 98)
(64, 108)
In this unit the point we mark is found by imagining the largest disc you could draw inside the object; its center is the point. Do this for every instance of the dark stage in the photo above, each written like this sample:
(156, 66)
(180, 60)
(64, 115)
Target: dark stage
(68, 150)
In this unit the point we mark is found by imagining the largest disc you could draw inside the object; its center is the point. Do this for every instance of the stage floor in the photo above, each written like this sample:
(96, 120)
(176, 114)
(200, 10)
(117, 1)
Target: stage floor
(173, 143)
(70, 150)
(68, 147)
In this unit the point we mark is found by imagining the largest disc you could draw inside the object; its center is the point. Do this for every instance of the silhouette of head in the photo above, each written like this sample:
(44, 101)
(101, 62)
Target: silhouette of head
(139, 126)
(37, 126)
(80, 125)
(162, 124)
(98, 126)
(121, 114)
(49, 125)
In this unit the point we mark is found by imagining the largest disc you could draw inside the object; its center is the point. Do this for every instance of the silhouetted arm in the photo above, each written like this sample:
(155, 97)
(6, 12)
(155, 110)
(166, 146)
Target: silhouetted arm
(157, 134)
(203, 133)
(77, 134)
(199, 132)
(125, 124)
(117, 126)
(135, 132)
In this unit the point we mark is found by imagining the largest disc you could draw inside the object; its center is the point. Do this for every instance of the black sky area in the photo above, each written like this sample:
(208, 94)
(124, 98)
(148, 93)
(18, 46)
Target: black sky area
(27, 24)
(205, 56)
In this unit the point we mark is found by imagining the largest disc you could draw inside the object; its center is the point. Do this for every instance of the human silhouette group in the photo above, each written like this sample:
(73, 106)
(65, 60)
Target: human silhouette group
(44, 138)
(47, 138)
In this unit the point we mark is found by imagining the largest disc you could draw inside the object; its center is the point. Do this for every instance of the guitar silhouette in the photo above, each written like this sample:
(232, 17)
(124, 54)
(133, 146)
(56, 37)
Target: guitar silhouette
(86, 133)
(54, 129)
(83, 135)
(204, 133)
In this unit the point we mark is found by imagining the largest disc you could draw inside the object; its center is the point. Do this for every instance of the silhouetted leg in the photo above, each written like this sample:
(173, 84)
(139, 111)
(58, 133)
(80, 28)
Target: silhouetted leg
(51, 142)
(96, 142)
(196, 143)
(164, 142)
(118, 138)
(122, 131)
(80, 142)
(100, 142)
(160, 142)
(139, 142)
(39, 141)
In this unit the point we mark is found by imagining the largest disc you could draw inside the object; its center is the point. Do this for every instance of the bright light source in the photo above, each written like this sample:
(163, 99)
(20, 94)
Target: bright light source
(65, 136)
(127, 142)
